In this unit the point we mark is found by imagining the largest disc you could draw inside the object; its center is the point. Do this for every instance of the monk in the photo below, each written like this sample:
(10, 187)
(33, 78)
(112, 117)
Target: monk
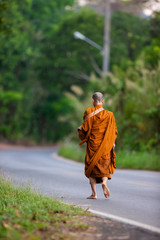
(99, 131)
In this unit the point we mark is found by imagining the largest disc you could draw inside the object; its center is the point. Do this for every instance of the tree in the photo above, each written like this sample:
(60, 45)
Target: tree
(72, 61)
(151, 52)
(138, 124)
(106, 4)
(40, 60)
(20, 48)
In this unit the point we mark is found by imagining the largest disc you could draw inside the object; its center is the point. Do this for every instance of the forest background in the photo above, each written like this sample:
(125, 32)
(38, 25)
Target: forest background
(47, 77)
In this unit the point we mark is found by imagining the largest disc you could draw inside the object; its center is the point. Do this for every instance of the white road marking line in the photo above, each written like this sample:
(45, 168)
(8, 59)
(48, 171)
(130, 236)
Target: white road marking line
(125, 220)
(113, 217)
(140, 184)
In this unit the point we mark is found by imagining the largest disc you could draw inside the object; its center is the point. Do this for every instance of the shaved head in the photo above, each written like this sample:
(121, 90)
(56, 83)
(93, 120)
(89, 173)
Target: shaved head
(98, 97)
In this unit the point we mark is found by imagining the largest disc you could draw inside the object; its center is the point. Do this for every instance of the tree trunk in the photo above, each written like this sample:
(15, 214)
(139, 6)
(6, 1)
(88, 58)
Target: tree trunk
(106, 45)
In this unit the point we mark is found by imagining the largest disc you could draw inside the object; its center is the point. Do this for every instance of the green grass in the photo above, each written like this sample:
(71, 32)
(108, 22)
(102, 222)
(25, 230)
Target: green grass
(124, 159)
(28, 215)
(138, 160)
(72, 151)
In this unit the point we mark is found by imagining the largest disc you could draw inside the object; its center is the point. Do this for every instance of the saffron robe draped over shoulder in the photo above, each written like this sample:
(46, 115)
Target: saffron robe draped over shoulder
(99, 132)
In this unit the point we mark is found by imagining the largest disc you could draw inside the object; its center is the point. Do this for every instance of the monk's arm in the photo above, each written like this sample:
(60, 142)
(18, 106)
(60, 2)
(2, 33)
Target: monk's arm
(81, 134)
(83, 129)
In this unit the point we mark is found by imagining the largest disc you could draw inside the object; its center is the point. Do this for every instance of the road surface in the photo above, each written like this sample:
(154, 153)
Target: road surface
(135, 195)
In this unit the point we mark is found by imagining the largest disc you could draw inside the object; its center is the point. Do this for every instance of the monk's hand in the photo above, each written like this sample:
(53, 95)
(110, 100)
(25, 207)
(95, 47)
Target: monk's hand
(114, 145)
(79, 128)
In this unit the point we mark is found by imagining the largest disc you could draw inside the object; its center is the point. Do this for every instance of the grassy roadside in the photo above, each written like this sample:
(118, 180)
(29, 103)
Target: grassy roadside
(28, 215)
(72, 151)
(124, 159)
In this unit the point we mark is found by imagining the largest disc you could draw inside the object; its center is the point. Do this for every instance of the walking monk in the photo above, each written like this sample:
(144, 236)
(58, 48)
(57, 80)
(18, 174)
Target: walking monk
(99, 131)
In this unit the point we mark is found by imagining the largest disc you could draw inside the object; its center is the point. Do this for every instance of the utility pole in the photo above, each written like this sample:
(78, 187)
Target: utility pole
(106, 44)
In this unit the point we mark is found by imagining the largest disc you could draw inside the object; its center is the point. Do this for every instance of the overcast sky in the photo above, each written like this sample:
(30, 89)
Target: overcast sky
(151, 6)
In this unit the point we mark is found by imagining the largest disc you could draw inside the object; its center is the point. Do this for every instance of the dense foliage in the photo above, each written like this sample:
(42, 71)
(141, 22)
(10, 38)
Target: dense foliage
(47, 76)
(134, 97)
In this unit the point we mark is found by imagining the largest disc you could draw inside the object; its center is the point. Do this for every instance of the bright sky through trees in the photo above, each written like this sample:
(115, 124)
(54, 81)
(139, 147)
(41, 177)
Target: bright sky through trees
(149, 7)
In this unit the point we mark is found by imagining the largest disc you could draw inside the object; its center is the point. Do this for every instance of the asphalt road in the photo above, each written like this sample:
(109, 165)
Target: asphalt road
(135, 195)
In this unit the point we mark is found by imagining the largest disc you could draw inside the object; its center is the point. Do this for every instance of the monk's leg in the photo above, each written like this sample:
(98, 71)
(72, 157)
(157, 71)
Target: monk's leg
(104, 179)
(93, 187)
(105, 188)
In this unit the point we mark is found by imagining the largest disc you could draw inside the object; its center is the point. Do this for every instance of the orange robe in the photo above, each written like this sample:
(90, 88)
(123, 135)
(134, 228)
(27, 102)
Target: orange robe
(99, 132)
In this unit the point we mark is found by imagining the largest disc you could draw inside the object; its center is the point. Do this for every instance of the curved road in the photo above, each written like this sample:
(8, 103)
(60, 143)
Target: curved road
(135, 195)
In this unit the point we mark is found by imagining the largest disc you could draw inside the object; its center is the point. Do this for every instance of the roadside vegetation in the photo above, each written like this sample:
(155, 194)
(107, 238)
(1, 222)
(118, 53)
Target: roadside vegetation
(28, 215)
(138, 160)
(72, 151)
(124, 159)
(48, 77)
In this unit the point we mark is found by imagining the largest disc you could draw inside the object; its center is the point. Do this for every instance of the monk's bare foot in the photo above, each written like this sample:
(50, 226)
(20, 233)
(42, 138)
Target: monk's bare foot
(105, 190)
(92, 197)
